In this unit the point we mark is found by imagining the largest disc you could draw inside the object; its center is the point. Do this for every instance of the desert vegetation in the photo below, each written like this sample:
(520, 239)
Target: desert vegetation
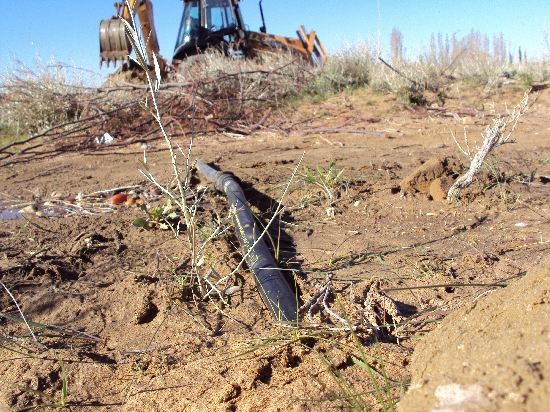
(124, 282)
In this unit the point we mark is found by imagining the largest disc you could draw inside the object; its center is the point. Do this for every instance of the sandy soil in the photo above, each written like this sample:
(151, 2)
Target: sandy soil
(491, 355)
(115, 323)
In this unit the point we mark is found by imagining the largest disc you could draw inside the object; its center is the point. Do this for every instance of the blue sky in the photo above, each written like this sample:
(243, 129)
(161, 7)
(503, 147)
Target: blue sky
(67, 30)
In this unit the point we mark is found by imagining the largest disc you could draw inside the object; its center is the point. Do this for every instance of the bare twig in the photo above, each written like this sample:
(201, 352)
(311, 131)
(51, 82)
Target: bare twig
(320, 298)
(496, 135)
(400, 73)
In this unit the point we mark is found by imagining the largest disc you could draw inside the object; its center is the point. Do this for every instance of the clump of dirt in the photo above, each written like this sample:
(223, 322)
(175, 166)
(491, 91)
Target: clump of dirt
(434, 177)
(491, 355)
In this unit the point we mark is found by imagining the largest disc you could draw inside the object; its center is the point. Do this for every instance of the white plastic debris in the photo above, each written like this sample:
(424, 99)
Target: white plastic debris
(232, 290)
(105, 139)
(521, 224)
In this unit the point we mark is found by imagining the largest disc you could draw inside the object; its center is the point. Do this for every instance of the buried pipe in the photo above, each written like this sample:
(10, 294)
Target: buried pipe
(275, 291)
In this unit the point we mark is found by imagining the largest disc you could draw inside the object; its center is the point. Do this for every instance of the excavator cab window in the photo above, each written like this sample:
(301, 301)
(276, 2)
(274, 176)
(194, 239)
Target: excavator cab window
(218, 15)
(190, 23)
(207, 23)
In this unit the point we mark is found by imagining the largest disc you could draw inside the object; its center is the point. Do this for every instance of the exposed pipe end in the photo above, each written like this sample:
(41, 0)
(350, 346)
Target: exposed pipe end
(275, 291)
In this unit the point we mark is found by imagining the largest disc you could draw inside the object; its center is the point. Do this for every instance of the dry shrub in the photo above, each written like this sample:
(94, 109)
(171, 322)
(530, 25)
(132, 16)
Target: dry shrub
(407, 82)
(350, 67)
(35, 99)
(473, 59)
(243, 84)
(273, 77)
(479, 60)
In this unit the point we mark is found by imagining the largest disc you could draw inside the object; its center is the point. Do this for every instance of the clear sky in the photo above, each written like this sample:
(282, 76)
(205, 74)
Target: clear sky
(67, 30)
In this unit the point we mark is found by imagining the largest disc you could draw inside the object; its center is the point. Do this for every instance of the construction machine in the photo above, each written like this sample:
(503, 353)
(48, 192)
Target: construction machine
(114, 45)
(204, 24)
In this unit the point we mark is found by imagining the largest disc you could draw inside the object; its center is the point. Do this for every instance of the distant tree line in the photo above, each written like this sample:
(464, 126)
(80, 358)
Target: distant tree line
(445, 49)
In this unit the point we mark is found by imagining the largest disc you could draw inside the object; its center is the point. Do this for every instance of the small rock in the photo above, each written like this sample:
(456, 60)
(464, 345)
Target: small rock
(134, 201)
(155, 191)
(455, 397)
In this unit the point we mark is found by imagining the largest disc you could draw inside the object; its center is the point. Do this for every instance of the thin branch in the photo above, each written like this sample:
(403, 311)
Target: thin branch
(400, 73)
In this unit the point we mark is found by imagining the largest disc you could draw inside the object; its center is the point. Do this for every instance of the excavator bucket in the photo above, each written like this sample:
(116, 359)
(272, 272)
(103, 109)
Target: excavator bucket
(312, 45)
(113, 43)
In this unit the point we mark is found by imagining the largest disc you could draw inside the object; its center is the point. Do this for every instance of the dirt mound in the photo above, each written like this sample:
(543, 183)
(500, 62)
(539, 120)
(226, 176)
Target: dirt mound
(491, 355)
(434, 177)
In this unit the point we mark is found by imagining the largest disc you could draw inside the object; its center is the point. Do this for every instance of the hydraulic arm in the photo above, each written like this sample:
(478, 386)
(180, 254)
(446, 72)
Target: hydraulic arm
(113, 43)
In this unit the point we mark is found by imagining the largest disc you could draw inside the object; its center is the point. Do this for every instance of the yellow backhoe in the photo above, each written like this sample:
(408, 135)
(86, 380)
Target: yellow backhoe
(204, 24)
(114, 46)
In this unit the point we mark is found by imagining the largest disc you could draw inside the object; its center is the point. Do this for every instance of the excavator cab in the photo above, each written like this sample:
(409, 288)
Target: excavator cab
(206, 24)
(219, 24)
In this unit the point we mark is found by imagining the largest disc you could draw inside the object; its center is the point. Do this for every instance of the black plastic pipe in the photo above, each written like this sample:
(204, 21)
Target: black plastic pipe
(275, 291)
